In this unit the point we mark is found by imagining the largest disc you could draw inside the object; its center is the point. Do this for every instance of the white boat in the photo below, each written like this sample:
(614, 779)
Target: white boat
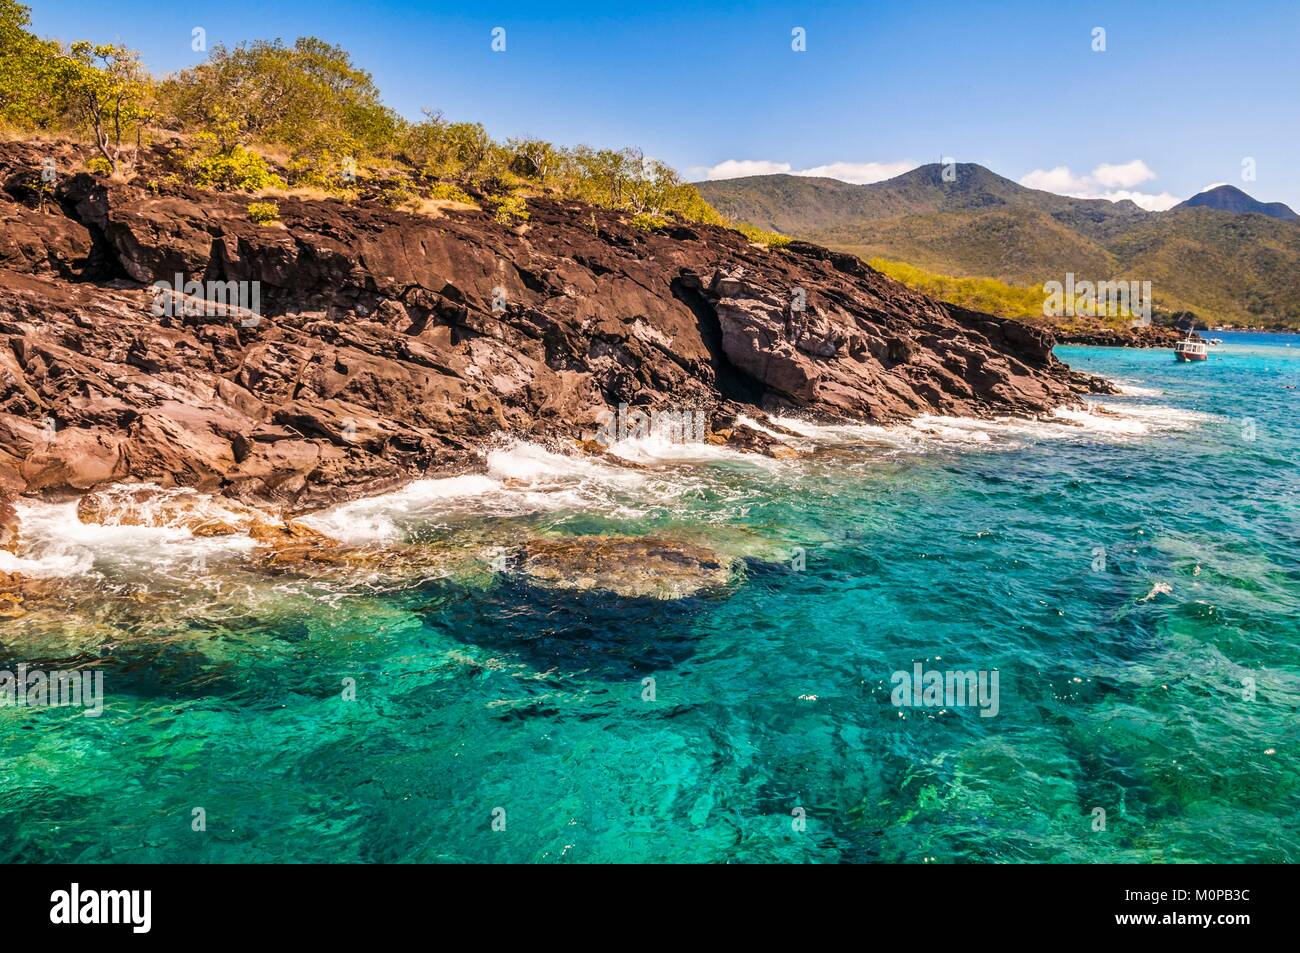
(1191, 350)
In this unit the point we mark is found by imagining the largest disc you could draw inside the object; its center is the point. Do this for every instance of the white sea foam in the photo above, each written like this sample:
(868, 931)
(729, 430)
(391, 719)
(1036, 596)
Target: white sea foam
(54, 542)
(524, 477)
(1125, 420)
(915, 435)
(662, 449)
(953, 429)
(521, 478)
(376, 518)
(529, 463)
(1097, 420)
(1133, 390)
(840, 432)
(1102, 420)
(762, 428)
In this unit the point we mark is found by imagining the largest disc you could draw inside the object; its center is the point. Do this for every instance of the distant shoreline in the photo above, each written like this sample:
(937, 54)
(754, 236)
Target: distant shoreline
(1256, 330)
(1125, 339)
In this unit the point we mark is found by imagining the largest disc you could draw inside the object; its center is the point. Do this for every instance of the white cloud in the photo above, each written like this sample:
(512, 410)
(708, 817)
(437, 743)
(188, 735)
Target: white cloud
(858, 173)
(1059, 179)
(735, 168)
(1112, 182)
(1123, 176)
(1152, 202)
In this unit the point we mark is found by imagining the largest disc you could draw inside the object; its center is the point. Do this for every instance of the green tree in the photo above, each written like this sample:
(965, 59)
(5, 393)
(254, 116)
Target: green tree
(33, 94)
(462, 151)
(107, 88)
(533, 159)
(309, 97)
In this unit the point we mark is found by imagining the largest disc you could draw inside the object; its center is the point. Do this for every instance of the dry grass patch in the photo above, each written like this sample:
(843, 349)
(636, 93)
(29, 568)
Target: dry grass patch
(305, 192)
(435, 208)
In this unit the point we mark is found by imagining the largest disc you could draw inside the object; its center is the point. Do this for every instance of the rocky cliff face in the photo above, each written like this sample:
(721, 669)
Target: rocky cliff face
(375, 345)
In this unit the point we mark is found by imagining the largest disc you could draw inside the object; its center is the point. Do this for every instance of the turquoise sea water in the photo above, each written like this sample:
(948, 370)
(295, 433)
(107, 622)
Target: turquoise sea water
(1022, 547)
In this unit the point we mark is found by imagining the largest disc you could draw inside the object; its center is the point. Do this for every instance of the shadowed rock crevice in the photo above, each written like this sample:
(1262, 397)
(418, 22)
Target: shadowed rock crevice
(732, 383)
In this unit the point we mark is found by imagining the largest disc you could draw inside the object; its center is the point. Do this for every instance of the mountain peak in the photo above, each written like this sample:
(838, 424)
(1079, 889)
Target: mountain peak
(961, 175)
(1229, 198)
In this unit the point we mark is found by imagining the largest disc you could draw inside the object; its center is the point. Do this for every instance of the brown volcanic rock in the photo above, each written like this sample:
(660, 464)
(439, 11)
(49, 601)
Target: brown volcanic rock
(632, 566)
(42, 243)
(8, 525)
(1149, 336)
(34, 234)
(393, 344)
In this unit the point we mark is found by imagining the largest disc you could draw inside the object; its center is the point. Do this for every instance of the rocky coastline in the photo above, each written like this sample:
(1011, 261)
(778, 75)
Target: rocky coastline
(379, 346)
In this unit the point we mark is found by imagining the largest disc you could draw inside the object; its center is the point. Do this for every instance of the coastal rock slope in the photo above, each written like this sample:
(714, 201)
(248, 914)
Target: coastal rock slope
(387, 344)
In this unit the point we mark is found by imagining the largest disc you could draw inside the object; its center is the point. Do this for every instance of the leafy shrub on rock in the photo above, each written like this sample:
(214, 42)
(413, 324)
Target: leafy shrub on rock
(648, 221)
(446, 192)
(761, 236)
(509, 209)
(263, 213)
(234, 170)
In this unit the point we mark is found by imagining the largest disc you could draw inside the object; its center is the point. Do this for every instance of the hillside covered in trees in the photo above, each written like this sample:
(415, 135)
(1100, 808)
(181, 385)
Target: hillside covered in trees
(266, 116)
(1224, 262)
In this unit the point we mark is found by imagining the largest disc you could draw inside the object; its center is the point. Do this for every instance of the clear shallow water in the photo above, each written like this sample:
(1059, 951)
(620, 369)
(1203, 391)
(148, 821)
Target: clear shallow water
(964, 546)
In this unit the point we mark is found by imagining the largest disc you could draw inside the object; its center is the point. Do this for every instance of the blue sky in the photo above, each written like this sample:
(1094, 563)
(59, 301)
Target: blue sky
(1183, 93)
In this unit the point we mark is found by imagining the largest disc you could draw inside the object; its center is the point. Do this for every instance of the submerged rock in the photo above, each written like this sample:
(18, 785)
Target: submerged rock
(168, 507)
(378, 566)
(11, 596)
(741, 437)
(631, 566)
(292, 541)
(18, 593)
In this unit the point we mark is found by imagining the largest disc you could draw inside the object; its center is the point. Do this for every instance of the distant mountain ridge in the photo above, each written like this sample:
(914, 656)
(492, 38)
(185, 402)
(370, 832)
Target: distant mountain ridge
(1229, 198)
(1238, 263)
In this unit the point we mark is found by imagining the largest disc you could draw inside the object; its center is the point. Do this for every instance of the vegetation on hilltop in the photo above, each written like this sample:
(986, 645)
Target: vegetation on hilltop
(264, 115)
(1023, 302)
(978, 294)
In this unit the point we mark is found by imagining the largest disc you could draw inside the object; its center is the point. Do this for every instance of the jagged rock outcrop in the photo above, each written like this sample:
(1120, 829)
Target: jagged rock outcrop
(1148, 336)
(380, 345)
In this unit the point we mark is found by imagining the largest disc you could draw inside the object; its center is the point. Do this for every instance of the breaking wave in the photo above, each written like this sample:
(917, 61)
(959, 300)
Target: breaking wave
(666, 477)
(54, 542)
(1093, 420)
